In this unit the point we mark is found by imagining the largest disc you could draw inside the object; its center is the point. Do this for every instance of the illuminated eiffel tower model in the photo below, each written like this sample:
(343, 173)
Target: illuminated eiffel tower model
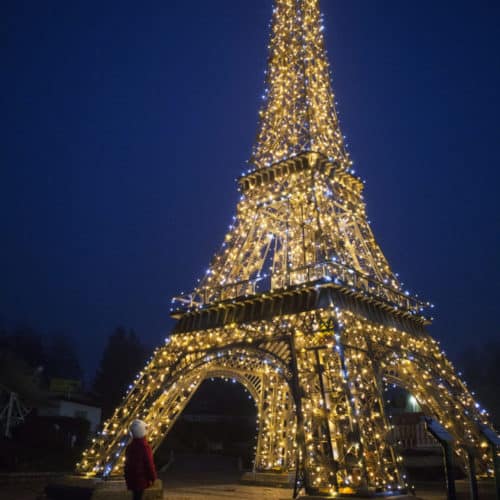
(300, 305)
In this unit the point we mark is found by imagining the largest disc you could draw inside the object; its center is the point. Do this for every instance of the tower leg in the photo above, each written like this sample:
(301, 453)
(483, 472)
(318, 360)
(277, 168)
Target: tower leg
(472, 475)
(355, 431)
(449, 470)
(332, 463)
(275, 419)
(400, 470)
(260, 437)
(301, 473)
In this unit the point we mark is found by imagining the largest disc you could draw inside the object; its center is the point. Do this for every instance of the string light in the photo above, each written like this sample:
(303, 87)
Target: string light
(317, 377)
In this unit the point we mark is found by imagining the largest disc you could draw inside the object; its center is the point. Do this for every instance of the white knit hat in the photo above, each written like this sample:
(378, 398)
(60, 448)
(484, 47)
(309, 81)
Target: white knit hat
(138, 429)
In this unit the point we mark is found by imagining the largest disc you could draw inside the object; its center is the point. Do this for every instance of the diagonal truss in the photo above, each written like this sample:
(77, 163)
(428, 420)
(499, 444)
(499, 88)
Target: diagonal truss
(300, 221)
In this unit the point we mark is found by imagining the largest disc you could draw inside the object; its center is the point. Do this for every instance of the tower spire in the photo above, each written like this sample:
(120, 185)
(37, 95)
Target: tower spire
(299, 112)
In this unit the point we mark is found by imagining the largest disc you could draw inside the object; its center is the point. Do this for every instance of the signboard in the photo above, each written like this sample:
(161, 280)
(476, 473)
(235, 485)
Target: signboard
(64, 386)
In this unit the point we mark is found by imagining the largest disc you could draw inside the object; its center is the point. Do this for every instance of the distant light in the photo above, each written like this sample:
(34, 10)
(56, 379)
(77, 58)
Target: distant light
(413, 403)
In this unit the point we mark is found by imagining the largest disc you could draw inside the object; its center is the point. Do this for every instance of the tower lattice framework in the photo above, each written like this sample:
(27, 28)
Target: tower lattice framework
(300, 305)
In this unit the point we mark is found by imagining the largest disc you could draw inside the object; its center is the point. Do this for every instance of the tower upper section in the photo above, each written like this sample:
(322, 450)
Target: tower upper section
(301, 219)
(299, 112)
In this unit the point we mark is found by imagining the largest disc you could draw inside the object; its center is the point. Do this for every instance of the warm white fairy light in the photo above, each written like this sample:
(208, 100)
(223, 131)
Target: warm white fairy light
(301, 224)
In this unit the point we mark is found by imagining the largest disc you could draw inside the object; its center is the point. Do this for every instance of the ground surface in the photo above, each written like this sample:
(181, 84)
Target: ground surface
(216, 478)
(213, 478)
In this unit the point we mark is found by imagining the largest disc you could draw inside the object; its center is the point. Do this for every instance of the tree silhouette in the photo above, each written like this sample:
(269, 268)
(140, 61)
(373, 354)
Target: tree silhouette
(26, 344)
(17, 376)
(62, 359)
(123, 356)
(49, 356)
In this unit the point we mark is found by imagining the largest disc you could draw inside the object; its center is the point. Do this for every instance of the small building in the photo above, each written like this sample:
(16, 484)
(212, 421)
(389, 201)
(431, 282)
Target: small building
(74, 407)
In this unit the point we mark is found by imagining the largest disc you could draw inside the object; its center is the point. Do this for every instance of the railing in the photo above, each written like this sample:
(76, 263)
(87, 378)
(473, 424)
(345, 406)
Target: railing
(328, 271)
(357, 281)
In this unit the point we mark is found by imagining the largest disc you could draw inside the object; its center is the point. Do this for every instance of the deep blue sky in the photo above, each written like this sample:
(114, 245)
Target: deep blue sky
(124, 125)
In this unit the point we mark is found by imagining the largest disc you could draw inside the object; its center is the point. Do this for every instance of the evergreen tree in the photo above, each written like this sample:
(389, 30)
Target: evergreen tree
(17, 376)
(26, 344)
(62, 358)
(124, 355)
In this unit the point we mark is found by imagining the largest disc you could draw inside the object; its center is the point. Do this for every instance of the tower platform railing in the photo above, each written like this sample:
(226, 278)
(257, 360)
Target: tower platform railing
(327, 271)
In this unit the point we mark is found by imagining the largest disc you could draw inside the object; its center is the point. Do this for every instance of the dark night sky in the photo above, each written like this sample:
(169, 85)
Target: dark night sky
(126, 123)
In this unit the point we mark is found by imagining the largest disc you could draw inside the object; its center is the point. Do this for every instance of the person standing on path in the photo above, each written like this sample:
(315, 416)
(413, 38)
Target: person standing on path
(140, 470)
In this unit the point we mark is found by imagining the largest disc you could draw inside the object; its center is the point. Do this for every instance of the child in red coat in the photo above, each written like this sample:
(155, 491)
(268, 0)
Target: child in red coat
(140, 470)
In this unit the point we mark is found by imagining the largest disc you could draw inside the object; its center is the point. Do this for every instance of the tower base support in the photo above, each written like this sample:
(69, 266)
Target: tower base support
(81, 488)
(272, 479)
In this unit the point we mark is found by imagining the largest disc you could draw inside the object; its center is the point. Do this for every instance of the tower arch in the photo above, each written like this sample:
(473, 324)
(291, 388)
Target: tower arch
(442, 396)
(160, 403)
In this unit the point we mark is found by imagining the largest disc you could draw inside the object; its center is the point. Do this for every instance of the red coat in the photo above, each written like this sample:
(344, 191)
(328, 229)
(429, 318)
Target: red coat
(140, 470)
